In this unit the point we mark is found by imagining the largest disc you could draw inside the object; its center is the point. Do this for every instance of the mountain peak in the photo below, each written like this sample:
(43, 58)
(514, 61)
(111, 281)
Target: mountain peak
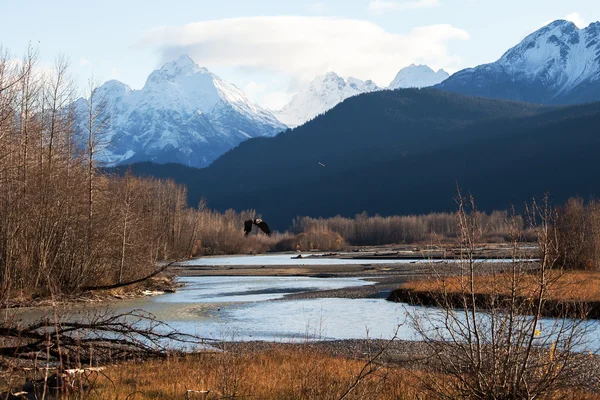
(562, 22)
(557, 64)
(561, 42)
(421, 66)
(329, 76)
(184, 65)
(558, 27)
(112, 89)
(417, 76)
(184, 60)
(183, 114)
(115, 84)
(322, 94)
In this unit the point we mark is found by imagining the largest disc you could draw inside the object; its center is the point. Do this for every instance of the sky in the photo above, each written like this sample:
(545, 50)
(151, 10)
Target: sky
(271, 49)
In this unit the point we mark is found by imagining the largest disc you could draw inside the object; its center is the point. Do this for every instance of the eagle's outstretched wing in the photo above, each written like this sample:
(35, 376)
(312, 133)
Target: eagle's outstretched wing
(263, 226)
(247, 227)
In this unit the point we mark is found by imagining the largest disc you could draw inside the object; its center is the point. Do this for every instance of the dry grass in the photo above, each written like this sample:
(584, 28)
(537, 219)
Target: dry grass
(570, 285)
(277, 373)
(272, 374)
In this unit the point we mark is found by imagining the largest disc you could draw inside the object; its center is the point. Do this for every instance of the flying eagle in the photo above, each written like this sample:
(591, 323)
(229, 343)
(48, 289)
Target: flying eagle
(258, 222)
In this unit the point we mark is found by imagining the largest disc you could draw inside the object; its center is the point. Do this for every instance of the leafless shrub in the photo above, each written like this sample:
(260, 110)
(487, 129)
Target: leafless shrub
(578, 229)
(497, 346)
(313, 239)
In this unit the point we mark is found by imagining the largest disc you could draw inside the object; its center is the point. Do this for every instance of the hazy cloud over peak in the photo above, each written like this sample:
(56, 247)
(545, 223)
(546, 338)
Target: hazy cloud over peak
(302, 47)
(576, 19)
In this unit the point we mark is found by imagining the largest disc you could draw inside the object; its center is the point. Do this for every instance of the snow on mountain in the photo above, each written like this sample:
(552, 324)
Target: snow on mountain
(558, 64)
(417, 76)
(321, 95)
(183, 114)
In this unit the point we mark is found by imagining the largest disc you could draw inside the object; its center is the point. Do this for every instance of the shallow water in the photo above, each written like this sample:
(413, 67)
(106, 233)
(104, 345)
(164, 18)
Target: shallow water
(289, 259)
(251, 288)
(253, 308)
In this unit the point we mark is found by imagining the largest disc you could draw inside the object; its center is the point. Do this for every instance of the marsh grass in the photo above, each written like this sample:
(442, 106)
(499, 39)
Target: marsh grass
(568, 286)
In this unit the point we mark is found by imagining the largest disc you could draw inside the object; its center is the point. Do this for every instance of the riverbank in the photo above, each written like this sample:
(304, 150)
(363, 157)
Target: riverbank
(261, 370)
(155, 286)
(387, 266)
(575, 293)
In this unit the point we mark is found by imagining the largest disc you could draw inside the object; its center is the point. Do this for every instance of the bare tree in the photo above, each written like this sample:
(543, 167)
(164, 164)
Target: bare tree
(97, 122)
(59, 96)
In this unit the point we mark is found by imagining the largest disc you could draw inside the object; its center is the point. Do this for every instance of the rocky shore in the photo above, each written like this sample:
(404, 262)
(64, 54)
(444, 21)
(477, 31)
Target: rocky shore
(400, 352)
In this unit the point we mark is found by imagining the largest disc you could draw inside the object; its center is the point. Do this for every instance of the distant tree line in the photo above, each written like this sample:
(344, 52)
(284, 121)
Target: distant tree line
(576, 225)
(364, 230)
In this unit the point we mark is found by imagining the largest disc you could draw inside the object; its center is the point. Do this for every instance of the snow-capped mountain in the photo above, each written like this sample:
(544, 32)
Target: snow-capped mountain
(183, 114)
(321, 95)
(558, 64)
(417, 76)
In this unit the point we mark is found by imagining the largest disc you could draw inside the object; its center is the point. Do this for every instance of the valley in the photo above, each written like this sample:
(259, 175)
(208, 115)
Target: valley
(397, 200)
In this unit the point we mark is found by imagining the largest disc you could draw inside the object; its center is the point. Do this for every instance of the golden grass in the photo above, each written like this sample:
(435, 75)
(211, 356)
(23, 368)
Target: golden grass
(271, 374)
(277, 373)
(570, 285)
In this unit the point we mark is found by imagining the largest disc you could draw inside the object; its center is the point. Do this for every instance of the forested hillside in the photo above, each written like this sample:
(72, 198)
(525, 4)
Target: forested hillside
(405, 152)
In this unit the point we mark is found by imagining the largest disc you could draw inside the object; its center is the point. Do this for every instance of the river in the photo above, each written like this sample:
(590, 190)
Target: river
(255, 308)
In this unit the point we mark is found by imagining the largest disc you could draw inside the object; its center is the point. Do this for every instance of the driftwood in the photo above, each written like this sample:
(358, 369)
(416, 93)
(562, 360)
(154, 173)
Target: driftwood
(96, 339)
(118, 285)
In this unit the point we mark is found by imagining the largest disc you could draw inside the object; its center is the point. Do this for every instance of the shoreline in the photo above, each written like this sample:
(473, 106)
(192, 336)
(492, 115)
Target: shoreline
(156, 286)
(552, 308)
(388, 276)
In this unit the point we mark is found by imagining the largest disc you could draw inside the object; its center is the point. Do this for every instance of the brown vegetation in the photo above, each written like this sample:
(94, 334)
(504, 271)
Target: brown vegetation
(278, 372)
(405, 229)
(568, 286)
(487, 333)
(301, 373)
(64, 226)
(313, 239)
(578, 232)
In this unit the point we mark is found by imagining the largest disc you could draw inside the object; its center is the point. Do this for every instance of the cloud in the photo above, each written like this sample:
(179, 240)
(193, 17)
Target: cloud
(381, 6)
(576, 19)
(84, 62)
(296, 49)
(253, 87)
(302, 47)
